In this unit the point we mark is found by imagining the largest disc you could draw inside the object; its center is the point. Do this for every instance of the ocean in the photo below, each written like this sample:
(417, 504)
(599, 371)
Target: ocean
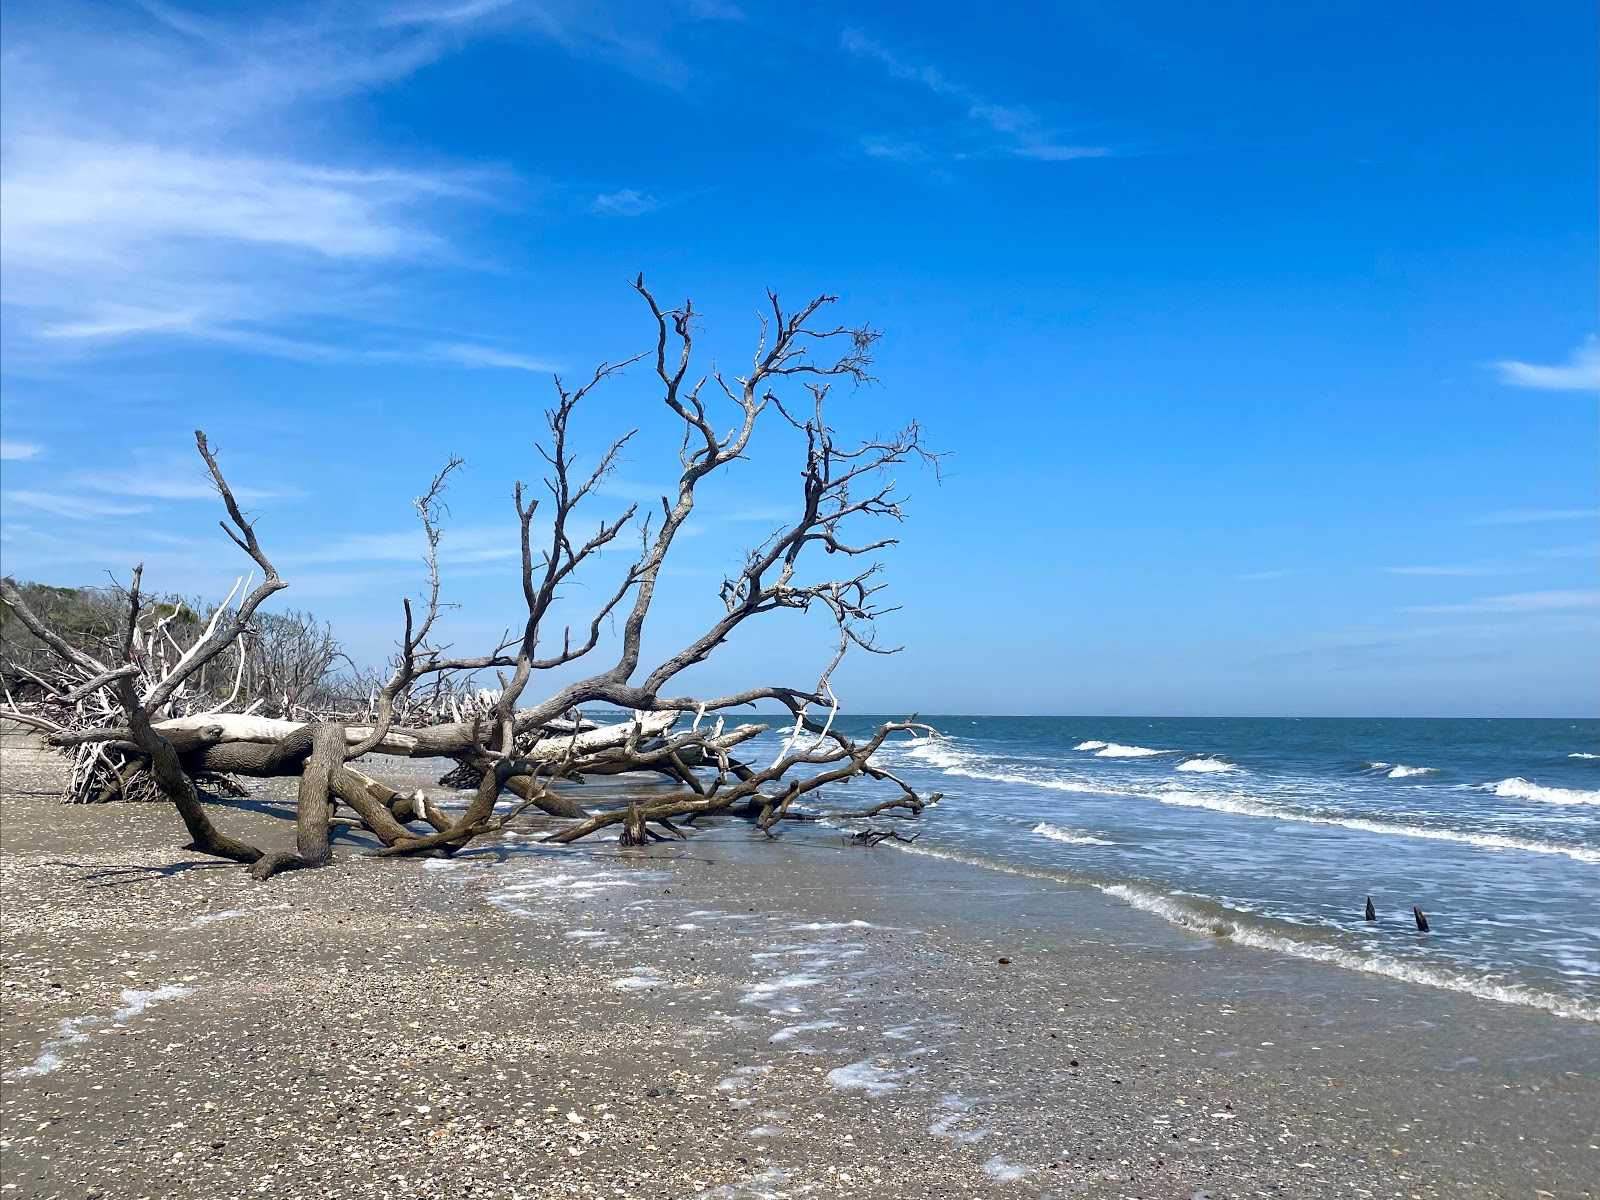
(1273, 833)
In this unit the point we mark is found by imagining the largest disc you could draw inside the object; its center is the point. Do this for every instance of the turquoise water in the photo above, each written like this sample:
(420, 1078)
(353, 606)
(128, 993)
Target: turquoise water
(1273, 832)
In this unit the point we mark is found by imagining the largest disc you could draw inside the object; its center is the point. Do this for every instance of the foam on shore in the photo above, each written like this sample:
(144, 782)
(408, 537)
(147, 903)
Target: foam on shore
(71, 1032)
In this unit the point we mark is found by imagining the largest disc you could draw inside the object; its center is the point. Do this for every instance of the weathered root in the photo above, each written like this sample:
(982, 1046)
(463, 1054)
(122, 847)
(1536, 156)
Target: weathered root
(551, 803)
(475, 820)
(371, 801)
(269, 865)
(634, 831)
(313, 807)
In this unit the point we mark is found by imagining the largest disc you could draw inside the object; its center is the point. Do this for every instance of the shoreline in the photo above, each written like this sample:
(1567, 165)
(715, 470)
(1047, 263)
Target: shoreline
(725, 1017)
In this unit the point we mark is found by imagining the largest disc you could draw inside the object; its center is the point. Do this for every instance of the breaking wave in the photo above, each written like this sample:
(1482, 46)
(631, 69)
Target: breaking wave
(1405, 772)
(1206, 763)
(1090, 746)
(1580, 754)
(1518, 788)
(1071, 837)
(1113, 750)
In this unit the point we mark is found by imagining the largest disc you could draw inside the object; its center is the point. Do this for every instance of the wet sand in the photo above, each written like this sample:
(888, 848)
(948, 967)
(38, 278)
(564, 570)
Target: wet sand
(723, 1018)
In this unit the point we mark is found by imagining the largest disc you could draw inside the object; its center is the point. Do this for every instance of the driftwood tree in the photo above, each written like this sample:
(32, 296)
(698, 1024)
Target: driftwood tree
(137, 704)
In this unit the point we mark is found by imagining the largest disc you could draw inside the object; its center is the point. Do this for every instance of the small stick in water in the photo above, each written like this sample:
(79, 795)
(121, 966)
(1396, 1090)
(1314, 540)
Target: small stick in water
(1372, 913)
(1422, 921)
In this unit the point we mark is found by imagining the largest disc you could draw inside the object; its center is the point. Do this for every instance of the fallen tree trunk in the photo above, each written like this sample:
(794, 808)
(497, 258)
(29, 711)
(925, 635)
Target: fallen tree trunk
(313, 809)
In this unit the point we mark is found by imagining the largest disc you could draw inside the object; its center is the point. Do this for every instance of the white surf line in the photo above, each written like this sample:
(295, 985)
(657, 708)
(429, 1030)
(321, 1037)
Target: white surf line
(1247, 807)
(1175, 911)
(71, 1031)
(1242, 807)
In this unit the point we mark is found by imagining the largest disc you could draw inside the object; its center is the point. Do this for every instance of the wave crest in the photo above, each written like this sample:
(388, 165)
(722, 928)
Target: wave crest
(1518, 788)
(1405, 772)
(1113, 750)
(1207, 763)
(1071, 837)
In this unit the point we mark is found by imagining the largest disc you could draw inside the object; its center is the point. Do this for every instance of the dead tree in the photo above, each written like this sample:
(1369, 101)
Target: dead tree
(138, 703)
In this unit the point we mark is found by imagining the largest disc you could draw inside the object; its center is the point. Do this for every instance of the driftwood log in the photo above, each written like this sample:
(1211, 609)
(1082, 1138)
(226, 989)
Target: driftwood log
(138, 713)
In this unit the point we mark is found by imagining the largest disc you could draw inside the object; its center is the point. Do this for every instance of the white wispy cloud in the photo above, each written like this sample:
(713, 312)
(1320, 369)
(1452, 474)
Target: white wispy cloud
(16, 450)
(1251, 576)
(471, 354)
(627, 202)
(159, 181)
(174, 481)
(1580, 373)
(991, 129)
(1532, 516)
(465, 545)
(75, 507)
(1519, 602)
(445, 14)
(1586, 550)
(1462, 572)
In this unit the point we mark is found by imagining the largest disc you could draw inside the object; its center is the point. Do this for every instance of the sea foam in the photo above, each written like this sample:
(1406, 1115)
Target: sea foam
(71, 1031)
(1113, 750)
(865, 1076)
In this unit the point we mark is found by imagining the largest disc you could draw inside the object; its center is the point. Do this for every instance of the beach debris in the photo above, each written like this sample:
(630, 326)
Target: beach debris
(1005, 962)
(1422, 921)
(1372, 913)
(871, 837)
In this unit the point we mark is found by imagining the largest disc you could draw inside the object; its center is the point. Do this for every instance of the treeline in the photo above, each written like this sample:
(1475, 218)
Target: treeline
(288, 664)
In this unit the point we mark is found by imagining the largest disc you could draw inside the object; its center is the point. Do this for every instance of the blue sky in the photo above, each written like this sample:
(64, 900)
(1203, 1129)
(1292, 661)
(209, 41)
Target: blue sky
(1261, 336)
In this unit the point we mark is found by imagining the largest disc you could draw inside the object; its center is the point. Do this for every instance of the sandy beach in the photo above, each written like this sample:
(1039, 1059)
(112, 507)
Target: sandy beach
(727, 1017)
